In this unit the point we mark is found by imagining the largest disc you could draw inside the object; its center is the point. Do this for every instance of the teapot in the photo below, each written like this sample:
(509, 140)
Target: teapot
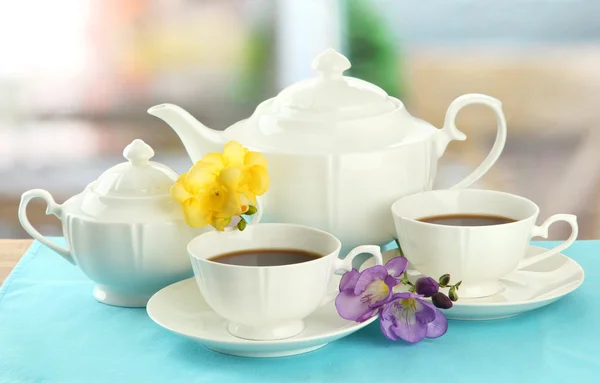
(124, 231)
(340, 150)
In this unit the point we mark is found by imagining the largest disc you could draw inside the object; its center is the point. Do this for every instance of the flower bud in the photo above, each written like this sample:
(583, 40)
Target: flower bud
(251, 210)
(441, 301)
(444, 280)
(241, 225)
(453, 294)
(426, 286)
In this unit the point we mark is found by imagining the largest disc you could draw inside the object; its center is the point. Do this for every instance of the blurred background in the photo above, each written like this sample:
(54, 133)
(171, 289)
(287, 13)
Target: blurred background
(77, 76)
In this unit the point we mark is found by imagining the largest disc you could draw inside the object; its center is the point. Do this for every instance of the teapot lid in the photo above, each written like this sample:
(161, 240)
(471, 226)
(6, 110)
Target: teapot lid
(330, 113)
(331, 95)
(136, 178)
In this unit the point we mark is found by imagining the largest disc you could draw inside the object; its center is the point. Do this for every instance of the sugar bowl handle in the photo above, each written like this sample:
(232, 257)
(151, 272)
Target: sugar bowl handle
(450, 132)
(52, 208)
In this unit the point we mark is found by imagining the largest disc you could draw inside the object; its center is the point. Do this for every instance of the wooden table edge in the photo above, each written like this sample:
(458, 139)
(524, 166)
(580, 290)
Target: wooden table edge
(11, 250)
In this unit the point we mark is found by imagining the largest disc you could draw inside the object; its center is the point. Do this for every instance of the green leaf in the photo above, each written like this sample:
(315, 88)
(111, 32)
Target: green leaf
(444, 280)
(452, 294)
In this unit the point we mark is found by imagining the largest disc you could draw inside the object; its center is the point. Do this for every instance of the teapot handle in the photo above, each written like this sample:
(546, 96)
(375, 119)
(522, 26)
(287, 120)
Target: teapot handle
(450, 132)
(53, 208)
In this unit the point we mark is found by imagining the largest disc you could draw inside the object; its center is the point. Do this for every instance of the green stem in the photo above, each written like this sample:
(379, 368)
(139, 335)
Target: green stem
(405, 280)
(399, 247)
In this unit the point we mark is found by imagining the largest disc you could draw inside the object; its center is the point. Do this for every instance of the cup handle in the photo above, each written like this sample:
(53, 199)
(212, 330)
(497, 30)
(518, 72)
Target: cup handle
(346, 265)
(450, 132)
(259, 212)
(53, 208)
(542, 231)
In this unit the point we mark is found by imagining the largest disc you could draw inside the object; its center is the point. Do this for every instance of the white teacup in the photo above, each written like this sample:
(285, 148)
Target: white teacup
(479, 256)
(267, 303)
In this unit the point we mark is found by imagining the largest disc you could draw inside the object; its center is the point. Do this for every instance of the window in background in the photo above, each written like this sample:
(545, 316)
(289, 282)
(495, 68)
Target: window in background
(77, 76)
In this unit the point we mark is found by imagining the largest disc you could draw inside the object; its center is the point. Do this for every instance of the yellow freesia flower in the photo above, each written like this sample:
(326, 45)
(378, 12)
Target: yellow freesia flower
(208, 199)
(221, 186)
(254, 179)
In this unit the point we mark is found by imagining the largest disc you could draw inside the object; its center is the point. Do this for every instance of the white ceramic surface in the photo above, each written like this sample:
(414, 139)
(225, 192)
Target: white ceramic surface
(124, 231)
(537, 285)
(267, 303)
(340, 148)
(180, 308)
(478, 256)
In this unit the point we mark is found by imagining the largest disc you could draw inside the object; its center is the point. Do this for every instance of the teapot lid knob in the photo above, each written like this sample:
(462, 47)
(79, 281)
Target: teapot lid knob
(138, 152)
(331, 63)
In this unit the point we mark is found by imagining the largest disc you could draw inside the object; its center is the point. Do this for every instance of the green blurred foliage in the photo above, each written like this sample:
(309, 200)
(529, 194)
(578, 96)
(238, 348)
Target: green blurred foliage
(372, 48)
(369, 44)
(257, 81)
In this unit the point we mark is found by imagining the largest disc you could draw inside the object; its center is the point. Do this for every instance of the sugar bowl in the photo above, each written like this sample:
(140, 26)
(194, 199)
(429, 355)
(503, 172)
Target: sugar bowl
(124, 231)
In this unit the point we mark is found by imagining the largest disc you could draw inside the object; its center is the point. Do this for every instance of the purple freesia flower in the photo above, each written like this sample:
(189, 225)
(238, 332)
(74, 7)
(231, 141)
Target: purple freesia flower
(408, 317)
(426, 286)
(362, 294)
(441, 301)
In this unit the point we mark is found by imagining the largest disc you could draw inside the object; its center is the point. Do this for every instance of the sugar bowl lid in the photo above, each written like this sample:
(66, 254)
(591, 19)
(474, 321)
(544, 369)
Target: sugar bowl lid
(138, 177)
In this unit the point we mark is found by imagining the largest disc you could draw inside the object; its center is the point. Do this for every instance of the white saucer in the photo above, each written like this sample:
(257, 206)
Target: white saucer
(524, 290)
(181, 309)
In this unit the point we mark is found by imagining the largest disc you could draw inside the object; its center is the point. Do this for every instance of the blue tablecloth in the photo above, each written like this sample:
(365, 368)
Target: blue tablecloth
(52, 330)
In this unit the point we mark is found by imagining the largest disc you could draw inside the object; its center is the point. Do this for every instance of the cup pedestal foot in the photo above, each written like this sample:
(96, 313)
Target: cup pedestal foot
(287, 330)
(110, 296)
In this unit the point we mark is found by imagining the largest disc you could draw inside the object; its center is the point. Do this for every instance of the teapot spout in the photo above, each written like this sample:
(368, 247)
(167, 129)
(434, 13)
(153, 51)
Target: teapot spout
(197, 139)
